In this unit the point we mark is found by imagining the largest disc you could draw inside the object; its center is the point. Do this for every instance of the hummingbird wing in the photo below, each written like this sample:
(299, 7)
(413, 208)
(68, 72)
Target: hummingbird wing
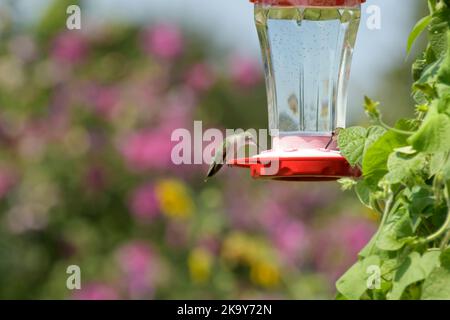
(231, 142)
(218, 162)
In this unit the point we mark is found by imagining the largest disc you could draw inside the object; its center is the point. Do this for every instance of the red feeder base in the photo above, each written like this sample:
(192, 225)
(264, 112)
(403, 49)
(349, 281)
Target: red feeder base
(298, 165)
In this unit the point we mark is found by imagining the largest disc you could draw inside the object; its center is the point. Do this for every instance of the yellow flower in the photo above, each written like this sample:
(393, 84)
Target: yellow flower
(265, 274)
(174, 199)
(200, 263)
(242, 248)
(253, 252)
(239, 247)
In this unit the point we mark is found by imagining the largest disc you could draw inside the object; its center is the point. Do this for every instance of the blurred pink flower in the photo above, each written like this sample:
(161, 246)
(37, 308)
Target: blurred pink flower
(148, 149)
(357, 234)
(96, 291)
(69, 47)
(137, 262)
(291, 239)
(151, 148)
(178, 109)
(210, 243)
(200, 77)
(104, 99)
(289, 235)
(245, 72)
(143, 203)
(272, 212)
(7, 180)
(336, 247)
(164, 41)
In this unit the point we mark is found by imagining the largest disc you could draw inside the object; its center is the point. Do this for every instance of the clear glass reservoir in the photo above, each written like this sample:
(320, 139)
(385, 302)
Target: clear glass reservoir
(307, 54)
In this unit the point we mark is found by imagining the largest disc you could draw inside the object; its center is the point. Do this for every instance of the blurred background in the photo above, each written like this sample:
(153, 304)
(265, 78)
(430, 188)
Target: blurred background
(85, 171)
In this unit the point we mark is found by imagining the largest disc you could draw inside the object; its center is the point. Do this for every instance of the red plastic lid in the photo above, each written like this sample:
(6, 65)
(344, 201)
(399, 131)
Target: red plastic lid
(311, 3)
(315, 166)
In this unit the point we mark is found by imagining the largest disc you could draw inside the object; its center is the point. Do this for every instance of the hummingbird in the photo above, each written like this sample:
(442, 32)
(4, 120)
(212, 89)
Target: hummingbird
(232, 142)
(334, 136)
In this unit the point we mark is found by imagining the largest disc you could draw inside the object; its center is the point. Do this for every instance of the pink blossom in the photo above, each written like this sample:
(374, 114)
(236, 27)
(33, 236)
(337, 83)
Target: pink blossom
(143, 202)
(147, 149)
(69, 47)
(200, 77)
(291, 239)
(338, 244)
(272, 213)
(139, 266)
(210, 243)
(96, 291)
(357, 234)
(164, 41)
(178, 108)
(245, 72)
(7, 180)
(104, 99)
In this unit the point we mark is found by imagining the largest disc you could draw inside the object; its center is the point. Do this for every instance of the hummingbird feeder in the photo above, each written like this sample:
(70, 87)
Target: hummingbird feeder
(307, 47)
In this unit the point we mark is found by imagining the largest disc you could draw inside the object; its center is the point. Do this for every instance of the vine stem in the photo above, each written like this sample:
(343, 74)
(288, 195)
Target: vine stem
(399, 131)
(446, 225)
(445, 241)
(387, 209)
(432, 6)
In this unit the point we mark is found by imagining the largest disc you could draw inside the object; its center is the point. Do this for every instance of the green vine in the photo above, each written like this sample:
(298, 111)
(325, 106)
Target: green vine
(406, 179)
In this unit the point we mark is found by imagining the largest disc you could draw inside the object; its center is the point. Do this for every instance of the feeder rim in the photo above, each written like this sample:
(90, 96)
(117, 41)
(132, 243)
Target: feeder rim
(310, 3)
(301, 167)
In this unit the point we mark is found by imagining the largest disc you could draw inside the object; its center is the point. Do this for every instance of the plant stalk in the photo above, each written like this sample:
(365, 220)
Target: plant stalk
(446, 226)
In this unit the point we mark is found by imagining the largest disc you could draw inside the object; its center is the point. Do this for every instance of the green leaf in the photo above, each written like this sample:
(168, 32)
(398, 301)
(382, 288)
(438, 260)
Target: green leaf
(408, 273)
(430, 260)
(373, 134)
(369, 249)
(353, 284)
(437, 285)
(388, 268)
(423, 62)
(416, 31)
(415, 268)
(374, 164)
(438, 27)
(427, 90)
(440, 163)
(445, 259)
(433, 135)
(363, 192)
(443, 75)
(430, 72)
(443, 105)
(421, 203)
(401, 166)
(396, 232)
(340, 296)
(351, 143)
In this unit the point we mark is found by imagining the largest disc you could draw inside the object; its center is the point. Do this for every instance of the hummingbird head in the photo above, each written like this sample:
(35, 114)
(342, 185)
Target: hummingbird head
(249, 137)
